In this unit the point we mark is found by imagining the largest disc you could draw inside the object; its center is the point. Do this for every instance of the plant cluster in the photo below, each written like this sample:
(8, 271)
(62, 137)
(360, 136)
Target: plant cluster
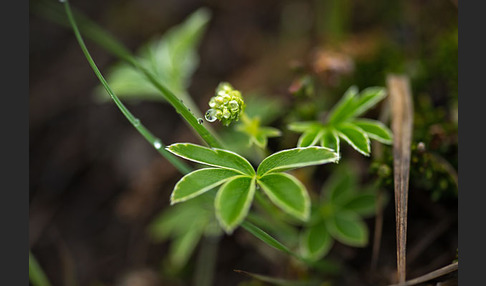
(228, 180)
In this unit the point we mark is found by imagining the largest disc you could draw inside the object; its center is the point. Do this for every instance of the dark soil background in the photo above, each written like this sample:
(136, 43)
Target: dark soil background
(95, 183)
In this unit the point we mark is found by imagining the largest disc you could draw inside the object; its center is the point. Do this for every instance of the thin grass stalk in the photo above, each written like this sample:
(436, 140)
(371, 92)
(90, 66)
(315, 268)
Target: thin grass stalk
(154, 141)
(107, 41)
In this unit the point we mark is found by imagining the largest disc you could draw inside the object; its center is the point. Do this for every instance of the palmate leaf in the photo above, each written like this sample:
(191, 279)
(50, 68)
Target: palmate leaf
(341, 123)
(199, 182)
(287, 193)
(355, 136)
(212, 157)
(296, 158)
(233, 201)
(316, 241)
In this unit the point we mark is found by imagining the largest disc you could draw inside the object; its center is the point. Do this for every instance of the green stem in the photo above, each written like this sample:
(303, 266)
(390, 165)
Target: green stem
(112, 45)
(156, 142)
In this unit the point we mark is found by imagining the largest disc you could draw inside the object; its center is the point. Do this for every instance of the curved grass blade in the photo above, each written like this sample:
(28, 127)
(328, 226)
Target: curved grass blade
(288, 193)
(157, 143)
(348, 228)
(345, 107)
(296, 158)
(212, 157)
(316, 241)
(355, 136)
(233, 202)
(113, 46)
(375, 130)
(199, 182)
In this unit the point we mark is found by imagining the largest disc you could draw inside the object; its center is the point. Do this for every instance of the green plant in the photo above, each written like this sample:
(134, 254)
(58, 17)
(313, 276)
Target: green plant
(342, 123)
(238, 180)
(338, 215)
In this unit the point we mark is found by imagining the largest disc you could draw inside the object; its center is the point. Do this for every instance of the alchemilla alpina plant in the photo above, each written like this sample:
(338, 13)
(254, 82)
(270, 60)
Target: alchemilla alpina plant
(235, 185)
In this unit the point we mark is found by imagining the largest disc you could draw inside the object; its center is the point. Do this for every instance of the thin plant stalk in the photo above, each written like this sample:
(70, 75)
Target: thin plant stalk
(402, 123)
(113, 46)
(154, 141)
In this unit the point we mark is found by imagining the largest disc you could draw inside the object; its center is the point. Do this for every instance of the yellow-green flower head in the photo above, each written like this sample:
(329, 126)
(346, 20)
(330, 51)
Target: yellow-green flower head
(226, 106)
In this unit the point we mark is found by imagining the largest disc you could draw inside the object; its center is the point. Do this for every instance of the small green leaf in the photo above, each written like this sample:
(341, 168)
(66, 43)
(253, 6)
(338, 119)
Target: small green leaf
(316, 241)
(375, 129)
(199, 182)
(330, 139)
(345, 107)
(355, 136)
(363, 204)
(233, 202)
(367, 99)
(287, 193)
(310, 137)
(348, 228)
(212, 157)
(296, 158)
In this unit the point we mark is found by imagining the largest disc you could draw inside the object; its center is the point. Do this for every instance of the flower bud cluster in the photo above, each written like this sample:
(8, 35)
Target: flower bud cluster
(226, 106)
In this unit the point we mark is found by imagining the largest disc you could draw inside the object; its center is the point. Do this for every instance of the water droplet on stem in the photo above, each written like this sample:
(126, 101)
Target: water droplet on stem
(157, 144)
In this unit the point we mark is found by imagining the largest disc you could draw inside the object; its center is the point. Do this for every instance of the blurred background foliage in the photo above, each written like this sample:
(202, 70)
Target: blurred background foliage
(99, 195)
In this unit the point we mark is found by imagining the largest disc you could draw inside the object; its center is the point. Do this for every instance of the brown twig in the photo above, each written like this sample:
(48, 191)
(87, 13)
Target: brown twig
(431, 275)
(402, 119)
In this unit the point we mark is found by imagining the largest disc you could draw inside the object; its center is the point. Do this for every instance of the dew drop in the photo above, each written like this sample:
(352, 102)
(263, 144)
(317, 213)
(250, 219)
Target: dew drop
(210, 115)
(62, 1)
(233, 105)
(136, 122)
(157, 144)
(200, 121)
